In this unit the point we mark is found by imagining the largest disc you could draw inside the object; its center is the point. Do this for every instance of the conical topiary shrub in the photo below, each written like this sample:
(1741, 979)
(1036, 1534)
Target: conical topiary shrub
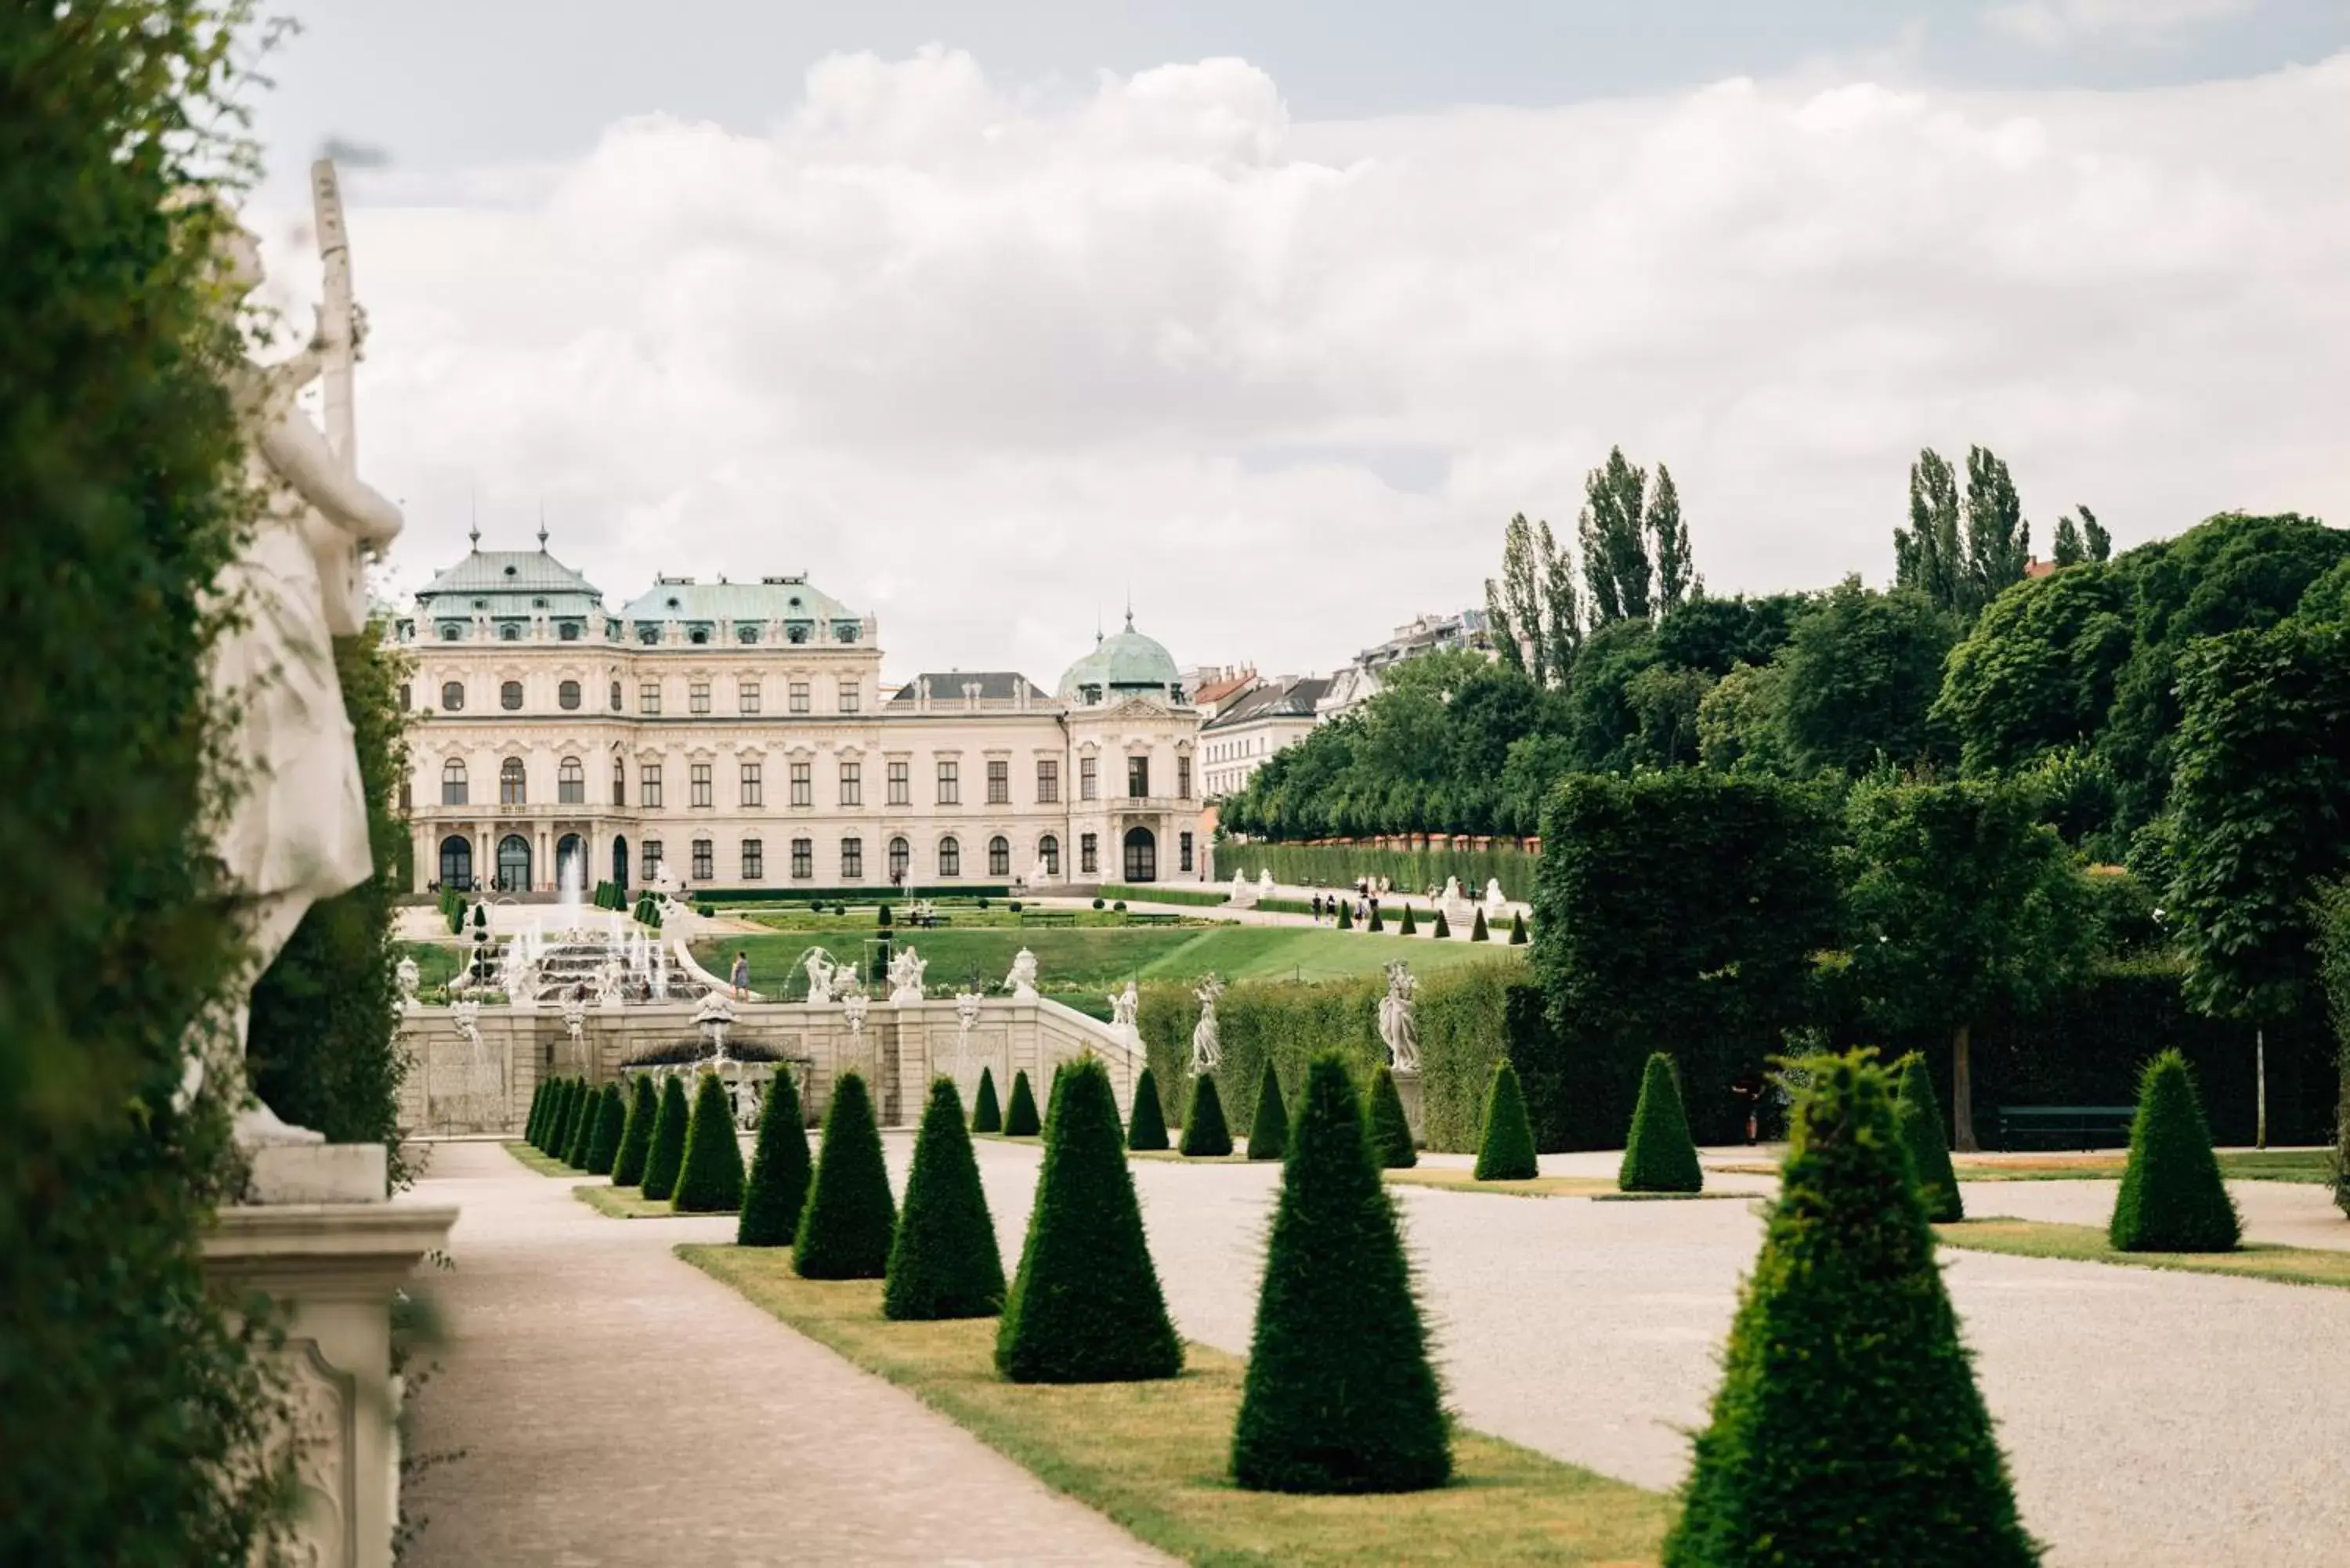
(583, 1129)
(1374, 923)
(1052, 1095)
(1847, 1430)
(1929, 1153)
(848, 1224)
(604, 1139)
(558, 1116)
(1391, 1138)
(1205, 1136)
(1658, 1156)
(537, 1114)
(555, 1090)
(2172, 1198)
(943, 1262)
(778, 1188)
(1443, 929)
(1477, 932)
(1085, 1307)
(1506, 1149)
(709, 1181)
(1269, 1132)
(1339, 1395)
(1346, 916)
(636, 1133)
(1146, 1126)
(1518, 931)
(986, 1114)
(667, 1154)
(1020, 1116)
(1406, 929)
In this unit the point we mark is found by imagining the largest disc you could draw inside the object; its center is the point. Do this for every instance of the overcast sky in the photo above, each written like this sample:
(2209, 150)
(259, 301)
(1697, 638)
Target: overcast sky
(1269, 314)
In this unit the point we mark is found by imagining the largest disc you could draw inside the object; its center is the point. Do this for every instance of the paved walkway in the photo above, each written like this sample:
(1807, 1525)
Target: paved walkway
(616, 1406)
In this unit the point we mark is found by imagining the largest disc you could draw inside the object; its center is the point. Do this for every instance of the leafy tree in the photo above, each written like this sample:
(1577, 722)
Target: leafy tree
(778, 1189)
(1863, 669)
(1926, 557)
(1086, 1306)
(1658, 1156)
(1668, 542)
(1613, 532)
(1269, 1130)
(1514, 607)
(1848, 1431)
(2334, 974)
(1666, 699)
(1716, 636)
(1999, 541)
(1391, 1138)
(604, 1138)
(1019, 1119)
(1601, 717)
(666, 1156)
(1146, 1128)
(1505, 1146)
(1959, 901)
(636, 1133)
(2036, 673)
(1205, 1136)
(1339, 1395)
(943, 1262)
(851, 1223)
(1562, 608)
(1742, 722)
(710, 1181)
(986, 1114)
(1920, 1121)
(2172, 1198)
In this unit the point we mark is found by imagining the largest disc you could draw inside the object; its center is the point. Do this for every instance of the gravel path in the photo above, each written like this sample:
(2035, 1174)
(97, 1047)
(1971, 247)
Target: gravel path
(2290, 1214)
(618, 1406)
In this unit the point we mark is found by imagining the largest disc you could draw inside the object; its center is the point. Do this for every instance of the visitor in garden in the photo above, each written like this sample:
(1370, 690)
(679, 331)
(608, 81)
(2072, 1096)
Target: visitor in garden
(741, 976)
(1317, 908)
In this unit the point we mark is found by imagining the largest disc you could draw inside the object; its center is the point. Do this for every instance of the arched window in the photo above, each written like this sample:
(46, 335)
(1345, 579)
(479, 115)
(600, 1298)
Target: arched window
(510, 696)
(568, 694)
(514, 864)
(999, 856)
(950, 857)
(509, 787)
(616, 696)
(570, 783)
(457, 863)
(1141, 856)
(452, 696)
(453, 782)
(899, 858)
(1049, 850)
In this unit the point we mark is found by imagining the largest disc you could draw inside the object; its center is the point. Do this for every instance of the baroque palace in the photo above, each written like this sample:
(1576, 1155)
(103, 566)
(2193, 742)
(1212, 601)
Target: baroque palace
(738, 736)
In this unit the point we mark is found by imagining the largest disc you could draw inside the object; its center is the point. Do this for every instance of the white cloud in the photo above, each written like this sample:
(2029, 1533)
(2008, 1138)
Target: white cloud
(986, 363)
(2053, 24)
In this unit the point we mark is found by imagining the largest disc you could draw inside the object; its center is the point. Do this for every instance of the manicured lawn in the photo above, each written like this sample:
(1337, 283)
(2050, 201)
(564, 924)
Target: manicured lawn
(545, 1164)
(1070, 956)
(1154, 1455)
(436, 963)
(2310, 1166)
(1453, 1178)
(2088, 1243)
(1177, 1156)
(630, 1203)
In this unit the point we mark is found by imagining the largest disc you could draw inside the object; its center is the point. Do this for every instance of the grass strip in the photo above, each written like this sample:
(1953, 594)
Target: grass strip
(530, 1159)
(2087, 1244)
(1153, 1456)
(2312, 1167)
(630, 1203)
(1459, 1178)
(1177, 1157)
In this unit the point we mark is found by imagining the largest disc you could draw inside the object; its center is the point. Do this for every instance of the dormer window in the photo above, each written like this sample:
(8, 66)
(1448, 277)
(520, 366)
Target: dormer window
(453, 631)
(797, 631)
(539, 604)
(747, 632)
(509, 631)
(699, 635)
(1090, 694)
(569, 631)
(844, 631)
(649, 632)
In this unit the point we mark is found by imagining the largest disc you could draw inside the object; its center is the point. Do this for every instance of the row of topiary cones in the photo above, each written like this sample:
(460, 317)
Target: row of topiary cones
(1205, 1134)
(679, 1153)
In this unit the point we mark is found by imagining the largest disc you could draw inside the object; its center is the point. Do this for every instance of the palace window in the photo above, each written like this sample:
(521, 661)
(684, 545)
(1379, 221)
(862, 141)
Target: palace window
(1049, 850)
(999, 856)
(899, 858)
(803, 783)
(616, 696)
(852, 859)
(1184, 850)
(1138, 777)
(1048, 781)
(755, 790)
(852, 783)
(570, 783)
(697, 783)
(452, 696)
(848, 694)
(406, 794)
(619, 782)
(802, 858)
(453, 782)
(697, 697)
(649, 698)
(799, 696)
(950, 784)
(754, 858)
(649, 786)
(1088, 853)
(746, 696)
(950, 857)
(510, 696)
(407, 699)
(902, 789)
(511, 791)
(999, 784)
(704, 861)
(1183, 780)
(652, 865)
(1089, 785)
(566, 695)
(569, 631)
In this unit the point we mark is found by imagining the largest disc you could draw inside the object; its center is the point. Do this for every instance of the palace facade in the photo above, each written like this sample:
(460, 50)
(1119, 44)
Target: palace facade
(739, 736)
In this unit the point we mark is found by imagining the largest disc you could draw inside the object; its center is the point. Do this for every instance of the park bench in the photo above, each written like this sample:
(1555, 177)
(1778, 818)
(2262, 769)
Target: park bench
(1048, 916)
(2065, 1126)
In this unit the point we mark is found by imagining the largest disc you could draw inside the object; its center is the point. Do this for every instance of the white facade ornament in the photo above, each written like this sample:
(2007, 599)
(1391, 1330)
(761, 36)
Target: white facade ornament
(295, 828)
(967, 1005)
(408, 977)
(905, 976)
(575, 1021)
(852, 1009)
(1207, 1043)
(467, 1016)
(1021, 982)
(822, 972)
(1397, 1025)
(715, 1015)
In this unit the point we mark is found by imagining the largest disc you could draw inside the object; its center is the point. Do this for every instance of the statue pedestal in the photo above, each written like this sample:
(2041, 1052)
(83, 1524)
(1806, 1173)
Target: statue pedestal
(331, 1269)
(1407, 1091)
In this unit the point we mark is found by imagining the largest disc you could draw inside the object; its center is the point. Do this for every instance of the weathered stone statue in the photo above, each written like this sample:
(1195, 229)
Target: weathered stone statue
(408, 977)
(1496, 902)
(822, 972)
(967, 1006)
(1021, 982)
(1207, 1042)
(905, 976)
(715, 1015)
(1123, 1005)
(295, 831)
(1397, 1026)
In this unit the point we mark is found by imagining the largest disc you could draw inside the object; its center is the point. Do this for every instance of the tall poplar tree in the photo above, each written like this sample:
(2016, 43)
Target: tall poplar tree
(1668, 542)
(1615, 547)
(1561, 619)
(1926, 554)
(1999, 541)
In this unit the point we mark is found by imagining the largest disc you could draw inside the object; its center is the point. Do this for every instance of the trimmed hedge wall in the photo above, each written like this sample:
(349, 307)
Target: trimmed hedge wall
(1172, 894)
(882, 895)
(1412, 871)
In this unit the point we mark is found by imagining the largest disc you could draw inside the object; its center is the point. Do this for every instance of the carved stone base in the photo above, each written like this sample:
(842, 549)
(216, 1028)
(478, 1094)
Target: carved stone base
(1407, 1090)
(318, 1173)
(332, 1268)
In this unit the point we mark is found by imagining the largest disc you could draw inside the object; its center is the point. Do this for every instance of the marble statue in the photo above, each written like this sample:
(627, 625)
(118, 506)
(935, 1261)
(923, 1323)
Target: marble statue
(1452, 894)
(1496, 902)
(1397, 1026)
(1243, 892)
(1207, 1045)
(905, 976)
(745, 1092)
(295, 830)
(610, 983)
(1123, 1005)
(822, 972)
(1265, 883)
(408, 977)
(1021, 982)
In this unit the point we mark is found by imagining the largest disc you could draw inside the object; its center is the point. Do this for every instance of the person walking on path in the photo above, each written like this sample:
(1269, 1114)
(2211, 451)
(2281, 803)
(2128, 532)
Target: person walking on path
(741, 976)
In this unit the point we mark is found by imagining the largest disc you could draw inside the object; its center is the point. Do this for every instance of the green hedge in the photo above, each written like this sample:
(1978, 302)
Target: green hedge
(794, 894)
(1203, 897)
(1412, 871)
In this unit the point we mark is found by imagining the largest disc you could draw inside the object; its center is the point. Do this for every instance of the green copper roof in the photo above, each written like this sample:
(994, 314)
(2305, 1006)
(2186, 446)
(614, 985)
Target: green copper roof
(772, 598)
(1125, 664)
